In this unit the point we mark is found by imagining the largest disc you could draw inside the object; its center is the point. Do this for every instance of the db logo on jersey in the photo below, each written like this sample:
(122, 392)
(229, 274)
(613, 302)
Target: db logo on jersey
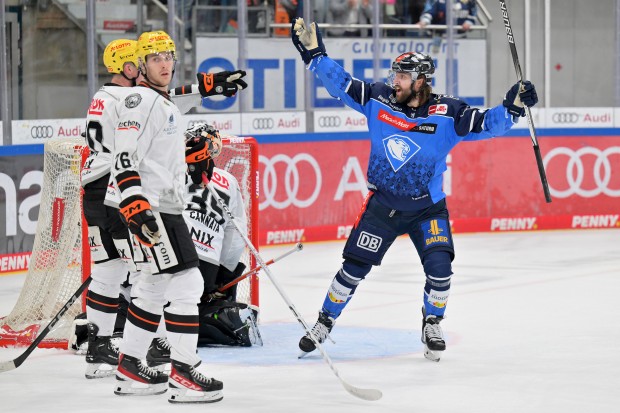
(438, 109)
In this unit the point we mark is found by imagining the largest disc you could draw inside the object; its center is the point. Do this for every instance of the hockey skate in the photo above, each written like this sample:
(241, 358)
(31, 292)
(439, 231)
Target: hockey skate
(158, 355)
(432, 336)
(135, 378)
(187, 385)
(101, 355)
(320, 331)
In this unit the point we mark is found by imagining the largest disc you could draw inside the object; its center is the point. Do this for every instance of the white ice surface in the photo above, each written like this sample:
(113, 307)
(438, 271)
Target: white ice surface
(533, 325)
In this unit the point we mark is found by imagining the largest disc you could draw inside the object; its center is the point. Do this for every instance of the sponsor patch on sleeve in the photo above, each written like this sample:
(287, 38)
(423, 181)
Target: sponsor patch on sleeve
(440, 109)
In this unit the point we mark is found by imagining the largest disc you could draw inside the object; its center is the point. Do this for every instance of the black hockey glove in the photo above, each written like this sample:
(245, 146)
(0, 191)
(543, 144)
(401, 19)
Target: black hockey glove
(519, 95)
(199, 162)
(203, 131)
(221, 83)
(137, 215)
(307, 40)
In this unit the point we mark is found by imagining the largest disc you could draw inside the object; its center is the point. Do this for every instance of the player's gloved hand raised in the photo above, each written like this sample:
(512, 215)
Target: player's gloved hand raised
(520, 94)
(307, 40)
(221, 83)
(199, 162)
(137, 215)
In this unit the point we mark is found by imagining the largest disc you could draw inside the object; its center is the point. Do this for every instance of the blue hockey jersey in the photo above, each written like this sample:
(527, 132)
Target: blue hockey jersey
(409, 146)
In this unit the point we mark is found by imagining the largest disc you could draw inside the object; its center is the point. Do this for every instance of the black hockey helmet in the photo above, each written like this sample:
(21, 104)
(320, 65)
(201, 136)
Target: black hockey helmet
(414, 63)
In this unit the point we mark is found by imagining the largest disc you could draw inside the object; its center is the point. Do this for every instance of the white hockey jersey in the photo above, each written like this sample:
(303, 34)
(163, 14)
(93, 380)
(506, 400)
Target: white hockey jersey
(148, 140)
(214, 235)
(101, 121)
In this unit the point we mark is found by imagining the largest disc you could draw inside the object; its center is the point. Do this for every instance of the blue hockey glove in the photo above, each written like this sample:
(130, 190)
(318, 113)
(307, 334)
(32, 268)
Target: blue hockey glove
(307, 40)
(519, 95)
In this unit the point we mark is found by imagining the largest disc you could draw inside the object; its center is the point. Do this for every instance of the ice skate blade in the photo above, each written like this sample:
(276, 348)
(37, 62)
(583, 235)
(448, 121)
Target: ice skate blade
(432, 355)
(135, 388)
(184, 395)
(99, 370)
(303, 354)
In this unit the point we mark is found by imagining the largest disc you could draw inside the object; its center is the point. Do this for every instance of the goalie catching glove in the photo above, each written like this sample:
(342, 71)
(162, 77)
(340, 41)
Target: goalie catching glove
(137, 215)
(307, 40)
(221, 83)
(202, 144)
(520, 94)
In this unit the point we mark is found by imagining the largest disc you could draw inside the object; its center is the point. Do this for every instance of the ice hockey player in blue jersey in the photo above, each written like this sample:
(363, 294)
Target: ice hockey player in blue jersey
(412, 130)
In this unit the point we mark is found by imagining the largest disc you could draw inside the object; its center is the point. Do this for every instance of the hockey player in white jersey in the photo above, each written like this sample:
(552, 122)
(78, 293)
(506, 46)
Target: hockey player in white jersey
(217, 242)
(109, 239)
(149, 166)
(113, 251)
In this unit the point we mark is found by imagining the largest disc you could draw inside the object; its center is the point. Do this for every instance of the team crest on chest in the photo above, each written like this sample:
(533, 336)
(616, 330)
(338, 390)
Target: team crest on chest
(399, 150)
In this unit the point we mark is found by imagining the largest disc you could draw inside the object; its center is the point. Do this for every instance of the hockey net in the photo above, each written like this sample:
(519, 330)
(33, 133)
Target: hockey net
(60, 259)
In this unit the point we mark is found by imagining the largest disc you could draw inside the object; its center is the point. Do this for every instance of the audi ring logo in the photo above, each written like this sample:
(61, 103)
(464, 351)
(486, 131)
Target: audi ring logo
(42, 132)
(565, 117)
(273, 193)
(575, 171)
(262, 123)
(329, 121)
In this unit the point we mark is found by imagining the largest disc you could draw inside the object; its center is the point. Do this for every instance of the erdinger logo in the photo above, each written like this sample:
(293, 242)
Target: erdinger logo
(399, 150)
(369, 242)
(438, 109)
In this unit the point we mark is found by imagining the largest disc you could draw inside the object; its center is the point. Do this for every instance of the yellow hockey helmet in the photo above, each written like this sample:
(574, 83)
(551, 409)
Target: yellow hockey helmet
(118, 52)
(154, 42)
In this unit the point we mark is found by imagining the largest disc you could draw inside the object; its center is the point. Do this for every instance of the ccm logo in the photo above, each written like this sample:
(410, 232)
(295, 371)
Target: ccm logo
(369, 242)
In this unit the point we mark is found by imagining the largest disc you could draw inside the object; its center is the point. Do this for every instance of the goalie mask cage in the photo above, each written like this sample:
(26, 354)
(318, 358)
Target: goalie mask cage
(60, 259)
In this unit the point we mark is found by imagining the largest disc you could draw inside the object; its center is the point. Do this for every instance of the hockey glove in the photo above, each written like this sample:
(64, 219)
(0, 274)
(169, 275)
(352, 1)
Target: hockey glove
(221, 83)
(520, 94)
(137, 215)
(307, 40)
(203, 131)
(199, 162)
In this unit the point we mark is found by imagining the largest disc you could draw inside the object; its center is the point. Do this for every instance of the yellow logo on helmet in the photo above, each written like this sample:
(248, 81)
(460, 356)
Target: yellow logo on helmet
(117, 53)
(154, 42)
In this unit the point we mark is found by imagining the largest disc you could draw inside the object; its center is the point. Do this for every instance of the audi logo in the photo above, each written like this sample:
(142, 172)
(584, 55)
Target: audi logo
(565, 117)
(329, 121)
(262, 123)
(270, 187)
(575, 171)
(41, 132)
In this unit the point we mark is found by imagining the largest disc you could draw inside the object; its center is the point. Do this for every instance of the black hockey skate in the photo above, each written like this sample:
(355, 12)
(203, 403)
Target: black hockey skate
(101, 355)
(159, 353)
(135, 378)
(320, 331)
(187, 385)
(432, 336)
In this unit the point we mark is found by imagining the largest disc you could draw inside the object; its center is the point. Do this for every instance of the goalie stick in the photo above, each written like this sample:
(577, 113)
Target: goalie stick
(365, 394)
(528, 113)
(298, 247)
(15, 363)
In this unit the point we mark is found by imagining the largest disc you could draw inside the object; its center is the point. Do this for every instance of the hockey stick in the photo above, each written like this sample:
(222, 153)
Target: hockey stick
(298, 247)
(365, 394)
(15, 363)
(530, 122)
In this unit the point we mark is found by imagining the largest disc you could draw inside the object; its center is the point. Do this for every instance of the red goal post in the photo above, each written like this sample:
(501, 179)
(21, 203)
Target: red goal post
(60, 258)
